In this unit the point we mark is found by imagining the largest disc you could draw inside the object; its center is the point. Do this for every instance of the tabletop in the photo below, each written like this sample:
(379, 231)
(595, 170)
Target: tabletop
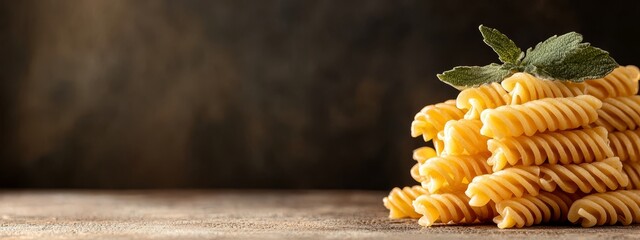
(237, 214)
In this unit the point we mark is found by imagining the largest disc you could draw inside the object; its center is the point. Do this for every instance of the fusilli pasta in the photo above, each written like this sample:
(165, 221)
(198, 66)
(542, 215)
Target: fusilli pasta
(626, 144)
(431, 119)
(463, 137)
(399, 202)
(524, 87)
(622, 206)
(623, 81)
(504, 184)
(531, 210)
(438, 143)
(548, 114)
(632, 169)
(450, 170)
(563, 147)
(619, 113)
(477, 99)
(451, 207)
(586, 177)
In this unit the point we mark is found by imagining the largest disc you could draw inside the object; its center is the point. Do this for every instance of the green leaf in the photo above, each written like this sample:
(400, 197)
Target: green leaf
(553, 50)
(583, 63)
(506, 49)
(465, 77)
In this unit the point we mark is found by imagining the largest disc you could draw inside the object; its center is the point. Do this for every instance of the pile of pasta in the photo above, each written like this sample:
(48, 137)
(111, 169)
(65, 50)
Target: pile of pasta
(528, 151)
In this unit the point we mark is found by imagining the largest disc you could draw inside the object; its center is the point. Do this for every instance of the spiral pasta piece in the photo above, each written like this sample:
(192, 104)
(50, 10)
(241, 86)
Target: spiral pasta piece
(452, 171)
(632, 170)
(463, 137)
(562, 147)
(421, 155)
(477, 99)
(524, 87)
(623, 81)
(450, 207)
(586, 177)
(619, 113)
(399, 202)
(548, 114)
(626, 144)
(431, 119)
(504, 184)
(531, 210)
(622, 206)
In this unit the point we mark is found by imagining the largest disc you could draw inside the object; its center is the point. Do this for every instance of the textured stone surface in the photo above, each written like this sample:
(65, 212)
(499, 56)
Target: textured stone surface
(236, 214)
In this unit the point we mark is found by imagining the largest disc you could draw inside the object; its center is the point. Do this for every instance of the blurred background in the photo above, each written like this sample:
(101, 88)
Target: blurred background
(248, 94)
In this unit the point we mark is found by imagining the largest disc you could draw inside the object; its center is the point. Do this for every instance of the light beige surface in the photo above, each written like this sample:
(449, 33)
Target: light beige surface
(236, 214)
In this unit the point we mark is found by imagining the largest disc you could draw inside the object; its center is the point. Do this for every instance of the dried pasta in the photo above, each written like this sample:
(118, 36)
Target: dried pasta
(626, 144)
(632, 169)
(617, 207)
(531, 210)
(477, 99)
(562, 147)
(586, 177)
(623, 81)
(452, 171)
(524, 87)
(399, 202)
(450, 207)
(431, 119)
(438, 144)
(504, 184)
(548, 114)
(619, 113)
(463, 137)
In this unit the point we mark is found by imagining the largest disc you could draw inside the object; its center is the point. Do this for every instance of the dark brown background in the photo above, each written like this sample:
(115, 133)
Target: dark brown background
(273, 94)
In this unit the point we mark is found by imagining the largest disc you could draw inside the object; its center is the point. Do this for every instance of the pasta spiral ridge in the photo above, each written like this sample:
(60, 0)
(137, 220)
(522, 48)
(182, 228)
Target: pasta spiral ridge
(450, 207)
(586, 177)
(531, 210)
(399, 202)
(438, 144)
(622, 206)
(626, 144)
(477, 99)
(623, 81)
(562, 147)
(421, 155)
(431, 119)
(548, 114)
(504, 184)
(632, 169)
(463, 137)
(619, 113)
(452, 171)
(524, 87)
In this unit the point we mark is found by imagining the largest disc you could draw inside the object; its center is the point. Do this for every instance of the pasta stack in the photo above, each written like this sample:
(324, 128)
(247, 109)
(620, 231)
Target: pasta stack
(529, 151)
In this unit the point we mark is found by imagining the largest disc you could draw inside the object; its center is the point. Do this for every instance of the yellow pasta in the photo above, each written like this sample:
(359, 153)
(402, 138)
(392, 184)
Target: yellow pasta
(463, 137)
(632, 169)
(617, 207)
(450, 207)
(421, 155)
(623, 81)
(531, 210)
(431, 119)
(563, 147)
(626, 144)
(438, 143)
(399, 202)
(452, 171)
(586, 177)
(477, 99)
(504, 184)
(524, 87)
(548, 114)
(619, 113)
